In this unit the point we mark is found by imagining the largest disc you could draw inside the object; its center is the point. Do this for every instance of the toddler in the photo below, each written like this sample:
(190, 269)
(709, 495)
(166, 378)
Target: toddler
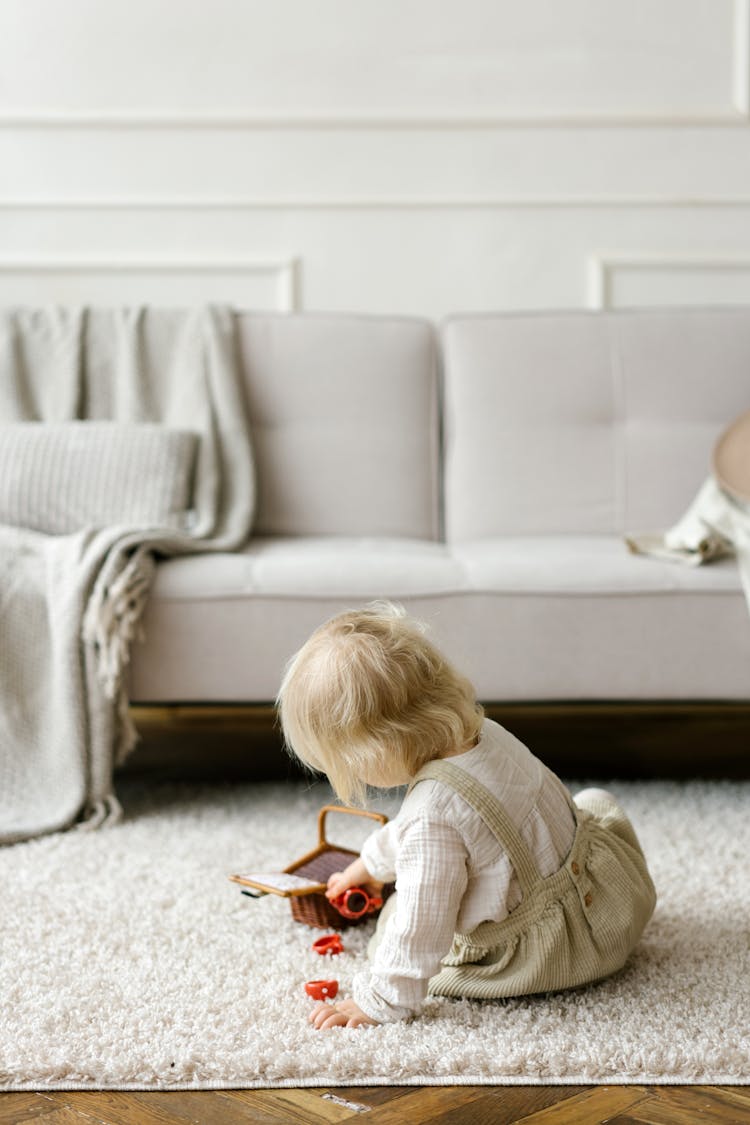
(505, 886)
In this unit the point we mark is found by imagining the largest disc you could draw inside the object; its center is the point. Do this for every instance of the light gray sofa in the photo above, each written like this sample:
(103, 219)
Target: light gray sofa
(483, 473)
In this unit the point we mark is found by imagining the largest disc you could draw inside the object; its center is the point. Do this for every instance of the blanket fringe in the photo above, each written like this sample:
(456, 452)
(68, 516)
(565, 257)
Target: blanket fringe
(111, 623)
(113, 615)
(127, 733)
(101, 813)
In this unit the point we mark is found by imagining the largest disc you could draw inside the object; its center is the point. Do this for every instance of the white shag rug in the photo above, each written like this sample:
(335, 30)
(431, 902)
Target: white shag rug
(129, 961)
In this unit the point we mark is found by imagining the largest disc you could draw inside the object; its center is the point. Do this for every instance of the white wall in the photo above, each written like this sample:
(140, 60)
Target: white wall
(416, 156)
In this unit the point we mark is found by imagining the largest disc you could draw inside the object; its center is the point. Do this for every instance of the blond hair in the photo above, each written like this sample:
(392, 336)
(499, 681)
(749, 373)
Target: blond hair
(368, 700)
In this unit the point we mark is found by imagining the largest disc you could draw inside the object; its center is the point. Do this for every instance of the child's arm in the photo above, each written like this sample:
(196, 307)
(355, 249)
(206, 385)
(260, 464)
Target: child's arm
(372, 869)
(431, 880)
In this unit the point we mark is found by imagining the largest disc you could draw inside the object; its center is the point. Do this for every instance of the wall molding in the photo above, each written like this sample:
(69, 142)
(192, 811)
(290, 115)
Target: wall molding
(736, 114)
(285, 270)
(741, 70)
(364, 203)
(603, 267)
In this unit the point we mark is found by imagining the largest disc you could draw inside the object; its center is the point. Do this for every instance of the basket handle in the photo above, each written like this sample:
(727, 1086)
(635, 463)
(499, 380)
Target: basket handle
(381, 819)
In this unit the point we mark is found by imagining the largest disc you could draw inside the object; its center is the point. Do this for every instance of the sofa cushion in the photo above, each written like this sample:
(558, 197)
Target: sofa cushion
(686, 376)
(313, 565)
(582, 564)
(344, 418)
(585, 423)
(527, 619)
(223, 626)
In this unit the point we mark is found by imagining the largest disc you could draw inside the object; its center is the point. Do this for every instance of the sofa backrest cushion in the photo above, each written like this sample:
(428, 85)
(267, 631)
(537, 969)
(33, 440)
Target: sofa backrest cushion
(586, 422)
(344, 418)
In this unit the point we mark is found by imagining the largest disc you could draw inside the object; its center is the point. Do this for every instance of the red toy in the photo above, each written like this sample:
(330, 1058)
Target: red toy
(331, 943)
(322, 989)
(356, 902)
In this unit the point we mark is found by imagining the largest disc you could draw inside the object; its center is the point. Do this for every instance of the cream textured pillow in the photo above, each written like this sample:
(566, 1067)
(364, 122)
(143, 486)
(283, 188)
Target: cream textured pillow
(59, 477)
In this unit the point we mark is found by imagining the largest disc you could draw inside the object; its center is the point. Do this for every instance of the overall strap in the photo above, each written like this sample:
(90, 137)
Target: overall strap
(492, 813)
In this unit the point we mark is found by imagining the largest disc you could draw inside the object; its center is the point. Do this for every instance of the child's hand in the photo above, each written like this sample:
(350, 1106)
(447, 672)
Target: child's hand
(355, 875)
(337, 884)
(344, 1014)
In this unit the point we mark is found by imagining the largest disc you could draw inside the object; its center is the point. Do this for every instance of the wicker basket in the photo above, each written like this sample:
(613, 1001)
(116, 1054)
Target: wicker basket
(313, 908)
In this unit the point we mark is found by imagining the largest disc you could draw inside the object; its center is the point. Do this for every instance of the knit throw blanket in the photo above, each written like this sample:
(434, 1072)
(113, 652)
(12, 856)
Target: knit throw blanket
(123, 436)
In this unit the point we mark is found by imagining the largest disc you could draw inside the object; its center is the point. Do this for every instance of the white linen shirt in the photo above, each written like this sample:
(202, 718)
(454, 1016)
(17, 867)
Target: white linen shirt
(451, 872)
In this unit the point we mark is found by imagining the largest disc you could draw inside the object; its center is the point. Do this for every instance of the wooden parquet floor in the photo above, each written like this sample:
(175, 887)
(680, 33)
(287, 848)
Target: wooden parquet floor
(390, 1105)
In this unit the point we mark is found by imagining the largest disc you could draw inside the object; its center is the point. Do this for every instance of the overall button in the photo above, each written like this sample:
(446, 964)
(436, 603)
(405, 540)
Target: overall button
(575, 868)
(588, 898)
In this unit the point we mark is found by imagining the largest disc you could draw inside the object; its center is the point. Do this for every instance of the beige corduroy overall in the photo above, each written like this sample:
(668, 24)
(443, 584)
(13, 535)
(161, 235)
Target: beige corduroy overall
(573, 927)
